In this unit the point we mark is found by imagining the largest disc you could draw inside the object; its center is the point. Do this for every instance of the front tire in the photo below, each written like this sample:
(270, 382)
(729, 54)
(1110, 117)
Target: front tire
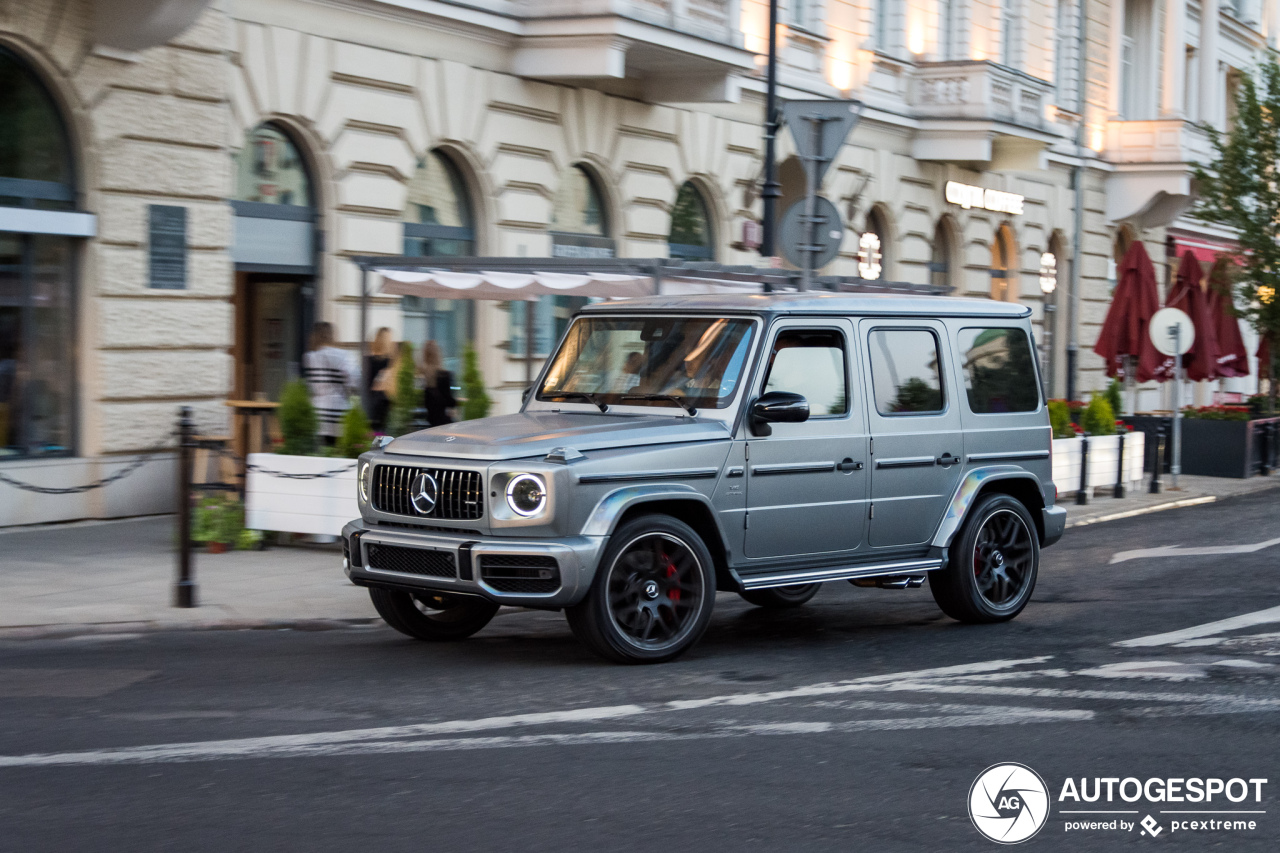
(431, 615)
(781, 597)
(652, 595)
(993, 565)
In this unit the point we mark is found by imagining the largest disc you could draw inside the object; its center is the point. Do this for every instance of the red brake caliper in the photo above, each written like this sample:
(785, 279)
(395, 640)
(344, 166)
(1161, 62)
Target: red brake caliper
(673, 593)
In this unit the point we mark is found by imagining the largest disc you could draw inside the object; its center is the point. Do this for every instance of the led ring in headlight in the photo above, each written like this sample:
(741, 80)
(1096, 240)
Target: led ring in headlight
(363, 480)
(526, 495)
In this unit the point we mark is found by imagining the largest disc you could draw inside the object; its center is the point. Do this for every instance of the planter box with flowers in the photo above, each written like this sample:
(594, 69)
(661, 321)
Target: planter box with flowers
(1221, 441)
(296, 491)
(1104, 461)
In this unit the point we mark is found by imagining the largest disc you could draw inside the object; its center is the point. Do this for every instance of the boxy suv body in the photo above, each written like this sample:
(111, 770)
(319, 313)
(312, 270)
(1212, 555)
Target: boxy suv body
(760, 444)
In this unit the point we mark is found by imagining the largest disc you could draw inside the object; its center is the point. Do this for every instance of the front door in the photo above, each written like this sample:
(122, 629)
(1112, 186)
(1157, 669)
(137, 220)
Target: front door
(917, 443)
(806, 482)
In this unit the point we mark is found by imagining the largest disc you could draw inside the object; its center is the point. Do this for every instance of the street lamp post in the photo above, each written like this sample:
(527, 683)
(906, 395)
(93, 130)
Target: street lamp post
(771, 189)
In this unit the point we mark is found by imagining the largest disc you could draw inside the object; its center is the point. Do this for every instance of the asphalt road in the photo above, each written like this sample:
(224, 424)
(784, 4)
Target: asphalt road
(859, 722)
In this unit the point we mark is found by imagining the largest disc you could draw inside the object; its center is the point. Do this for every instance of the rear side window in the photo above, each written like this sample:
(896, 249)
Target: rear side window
(904, 371)
(999, 372)
(810, 362)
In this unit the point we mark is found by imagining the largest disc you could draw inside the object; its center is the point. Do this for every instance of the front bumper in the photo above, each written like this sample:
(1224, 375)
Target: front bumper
(1055, 521)
(575, 558)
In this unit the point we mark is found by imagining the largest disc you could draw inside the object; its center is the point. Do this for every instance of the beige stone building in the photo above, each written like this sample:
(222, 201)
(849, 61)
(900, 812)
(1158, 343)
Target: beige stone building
(181, 194)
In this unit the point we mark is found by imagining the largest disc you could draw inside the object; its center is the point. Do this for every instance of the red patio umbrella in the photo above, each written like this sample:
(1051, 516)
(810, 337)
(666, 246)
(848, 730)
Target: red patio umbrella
(1201, 361)
(1124, 332)
(1233, 358)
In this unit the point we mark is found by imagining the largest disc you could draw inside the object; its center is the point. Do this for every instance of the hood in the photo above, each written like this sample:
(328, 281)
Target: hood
(538, 433)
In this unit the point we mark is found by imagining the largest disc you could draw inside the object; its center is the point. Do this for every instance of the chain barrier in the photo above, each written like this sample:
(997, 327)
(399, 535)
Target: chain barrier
(96, 484)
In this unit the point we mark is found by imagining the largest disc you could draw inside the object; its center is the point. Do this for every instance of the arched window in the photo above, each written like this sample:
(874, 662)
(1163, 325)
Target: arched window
(37, 331)
(1004, 266)
(274, 250)
(269, 169)
(943, 252)
(438, 219)
(691, 237)
(439, 222)
(579, 218)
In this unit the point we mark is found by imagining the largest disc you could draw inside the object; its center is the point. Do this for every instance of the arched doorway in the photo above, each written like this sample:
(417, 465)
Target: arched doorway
(943, 261)
(692, 237)
(37, 269)
(874, 244)
(439, 221)
(274, 250)
(1004, 265)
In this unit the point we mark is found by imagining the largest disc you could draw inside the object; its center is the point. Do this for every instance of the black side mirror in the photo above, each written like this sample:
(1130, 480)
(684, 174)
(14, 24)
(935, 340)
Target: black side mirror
(777, 407)
(524, 395)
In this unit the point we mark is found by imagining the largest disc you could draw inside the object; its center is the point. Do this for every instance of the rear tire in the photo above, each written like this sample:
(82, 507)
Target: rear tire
(652, 595)
(781, 597)
(993, 565)
(430, 615)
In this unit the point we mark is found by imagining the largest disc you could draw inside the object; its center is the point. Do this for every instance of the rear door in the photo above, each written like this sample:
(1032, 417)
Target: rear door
(916, 431)
(806, 482)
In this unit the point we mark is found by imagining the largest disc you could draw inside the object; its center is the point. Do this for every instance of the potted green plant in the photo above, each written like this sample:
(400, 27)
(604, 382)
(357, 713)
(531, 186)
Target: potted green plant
(477, 400)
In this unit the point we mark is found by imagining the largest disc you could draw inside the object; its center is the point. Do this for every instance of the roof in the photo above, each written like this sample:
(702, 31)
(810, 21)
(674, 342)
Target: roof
(857, 304)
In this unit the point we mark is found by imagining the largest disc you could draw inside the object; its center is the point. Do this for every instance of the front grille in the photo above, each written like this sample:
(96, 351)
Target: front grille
(459, 494)
(412, 561)
(520, 572)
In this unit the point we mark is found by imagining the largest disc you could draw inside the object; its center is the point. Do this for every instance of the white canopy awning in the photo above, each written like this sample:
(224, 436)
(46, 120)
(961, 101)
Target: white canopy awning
(441, 284)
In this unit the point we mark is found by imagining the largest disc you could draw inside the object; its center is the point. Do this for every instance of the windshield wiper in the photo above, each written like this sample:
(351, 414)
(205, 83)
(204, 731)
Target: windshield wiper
(581, 395)
(670, 398)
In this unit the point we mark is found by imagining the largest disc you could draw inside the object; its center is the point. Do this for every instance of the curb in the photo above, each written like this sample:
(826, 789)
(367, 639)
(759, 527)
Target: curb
(59, 632)
(1146, 510)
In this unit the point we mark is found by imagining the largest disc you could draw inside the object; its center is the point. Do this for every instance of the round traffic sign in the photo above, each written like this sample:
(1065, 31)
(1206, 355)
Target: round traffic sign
(828, 232)
(1172, 331)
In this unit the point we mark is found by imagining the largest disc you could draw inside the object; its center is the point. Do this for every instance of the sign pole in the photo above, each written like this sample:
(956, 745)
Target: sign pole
(811, 203)
(771, 190)
(1176, 468)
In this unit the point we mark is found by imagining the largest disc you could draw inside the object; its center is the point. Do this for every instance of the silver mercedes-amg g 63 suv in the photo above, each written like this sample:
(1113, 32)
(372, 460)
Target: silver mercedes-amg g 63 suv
(763, 444)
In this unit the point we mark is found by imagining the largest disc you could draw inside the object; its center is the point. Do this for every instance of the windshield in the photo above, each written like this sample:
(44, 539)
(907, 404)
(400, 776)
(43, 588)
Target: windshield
(697, 359)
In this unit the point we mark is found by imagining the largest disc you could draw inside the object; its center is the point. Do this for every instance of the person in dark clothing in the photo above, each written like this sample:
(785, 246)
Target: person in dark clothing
(437, 394)
(379, 357)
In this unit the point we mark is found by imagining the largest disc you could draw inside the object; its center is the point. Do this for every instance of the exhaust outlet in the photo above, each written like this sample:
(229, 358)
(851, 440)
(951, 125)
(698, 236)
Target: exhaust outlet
(891, 582)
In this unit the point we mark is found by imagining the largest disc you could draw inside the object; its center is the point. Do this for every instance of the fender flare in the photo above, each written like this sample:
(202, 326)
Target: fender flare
(610, 508)
(967, 492)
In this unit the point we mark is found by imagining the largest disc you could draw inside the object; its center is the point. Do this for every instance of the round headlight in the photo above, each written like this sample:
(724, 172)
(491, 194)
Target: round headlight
(526, 494)
(363, 479)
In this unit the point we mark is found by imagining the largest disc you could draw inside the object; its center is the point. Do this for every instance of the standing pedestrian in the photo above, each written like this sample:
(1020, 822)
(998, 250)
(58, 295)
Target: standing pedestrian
(332, 378)
(380, 355)
(437, 394)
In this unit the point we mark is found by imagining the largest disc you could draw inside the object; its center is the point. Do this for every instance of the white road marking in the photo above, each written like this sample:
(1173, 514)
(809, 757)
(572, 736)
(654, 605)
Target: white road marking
(1180, 551)
(177, 753)
(1209, 629)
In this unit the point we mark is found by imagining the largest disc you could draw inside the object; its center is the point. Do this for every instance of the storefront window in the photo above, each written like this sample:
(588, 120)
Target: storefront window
(269, 169)
(691, 237)
(579, 223)
(37, 336)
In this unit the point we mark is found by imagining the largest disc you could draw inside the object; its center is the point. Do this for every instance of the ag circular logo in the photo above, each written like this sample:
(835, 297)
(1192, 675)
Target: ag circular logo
(423, 492)
(1009, 803)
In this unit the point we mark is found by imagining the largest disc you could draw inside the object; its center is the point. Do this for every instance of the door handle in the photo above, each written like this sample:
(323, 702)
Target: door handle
(947, 459)
(848, 465)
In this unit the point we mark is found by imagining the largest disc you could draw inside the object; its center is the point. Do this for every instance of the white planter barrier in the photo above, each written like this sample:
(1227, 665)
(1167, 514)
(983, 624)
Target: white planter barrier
(321, 505)
(1104, 461)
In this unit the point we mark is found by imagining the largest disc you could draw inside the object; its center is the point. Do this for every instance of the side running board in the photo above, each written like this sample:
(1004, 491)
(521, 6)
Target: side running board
(841, 573)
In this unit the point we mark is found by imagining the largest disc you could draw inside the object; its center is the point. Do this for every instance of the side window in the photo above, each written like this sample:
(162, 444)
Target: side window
(811, 362)
(904, 371)
(999, 373)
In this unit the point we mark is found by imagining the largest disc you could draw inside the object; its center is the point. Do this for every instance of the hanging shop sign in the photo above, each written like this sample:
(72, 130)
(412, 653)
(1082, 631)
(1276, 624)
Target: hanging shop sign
(969, 196)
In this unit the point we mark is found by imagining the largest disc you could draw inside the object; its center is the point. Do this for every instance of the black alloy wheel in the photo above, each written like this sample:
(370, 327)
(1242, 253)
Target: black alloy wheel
(432, 615)
(781, 597)
(993, 565)
(652, 596)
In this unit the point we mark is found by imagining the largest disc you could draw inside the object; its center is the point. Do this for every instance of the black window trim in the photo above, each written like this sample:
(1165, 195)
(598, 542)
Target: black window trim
(942, 373)
(783, 328)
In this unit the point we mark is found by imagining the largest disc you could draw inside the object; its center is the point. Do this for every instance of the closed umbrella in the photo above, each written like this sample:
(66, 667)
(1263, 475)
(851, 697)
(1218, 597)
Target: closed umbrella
(1124, 332)
(1233, 358)
(1201, 361)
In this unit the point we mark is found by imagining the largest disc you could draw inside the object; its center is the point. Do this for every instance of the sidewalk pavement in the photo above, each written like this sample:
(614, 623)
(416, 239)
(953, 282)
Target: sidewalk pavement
(117, 576)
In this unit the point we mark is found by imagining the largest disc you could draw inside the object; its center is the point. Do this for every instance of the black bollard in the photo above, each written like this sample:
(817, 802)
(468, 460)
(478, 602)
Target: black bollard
(184, 590)
(1158, 449)
(1082, 495)
(1119, 489)
(1264, 456)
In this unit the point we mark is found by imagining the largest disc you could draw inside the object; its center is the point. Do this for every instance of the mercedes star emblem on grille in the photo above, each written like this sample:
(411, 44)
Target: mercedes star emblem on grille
(423, 493)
